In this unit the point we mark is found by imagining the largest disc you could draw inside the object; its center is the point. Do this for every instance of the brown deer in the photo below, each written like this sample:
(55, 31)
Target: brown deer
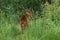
(24, 20)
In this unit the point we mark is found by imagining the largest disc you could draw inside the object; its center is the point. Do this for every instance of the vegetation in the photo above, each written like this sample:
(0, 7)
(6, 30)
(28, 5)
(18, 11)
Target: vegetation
(44, 22)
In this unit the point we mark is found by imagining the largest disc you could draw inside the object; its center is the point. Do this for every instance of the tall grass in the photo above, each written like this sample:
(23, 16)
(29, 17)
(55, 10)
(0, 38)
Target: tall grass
(43, 29)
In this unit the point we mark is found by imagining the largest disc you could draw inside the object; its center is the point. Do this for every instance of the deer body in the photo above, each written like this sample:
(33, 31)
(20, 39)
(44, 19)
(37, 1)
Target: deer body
(24, 20)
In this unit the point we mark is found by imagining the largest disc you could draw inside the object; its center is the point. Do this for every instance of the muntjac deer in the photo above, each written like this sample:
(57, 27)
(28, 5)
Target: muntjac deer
(24, 20)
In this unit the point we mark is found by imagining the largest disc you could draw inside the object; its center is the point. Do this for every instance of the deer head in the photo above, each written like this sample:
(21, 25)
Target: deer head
(28, 13)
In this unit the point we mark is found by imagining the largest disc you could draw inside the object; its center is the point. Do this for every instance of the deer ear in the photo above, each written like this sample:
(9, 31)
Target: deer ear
(30, 9)
(26, 10)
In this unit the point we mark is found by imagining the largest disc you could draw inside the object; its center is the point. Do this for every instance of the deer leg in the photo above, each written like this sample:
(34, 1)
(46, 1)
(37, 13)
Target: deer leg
(22, 28)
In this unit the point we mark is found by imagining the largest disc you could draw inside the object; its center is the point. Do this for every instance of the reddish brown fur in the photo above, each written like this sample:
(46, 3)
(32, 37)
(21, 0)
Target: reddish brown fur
(24, 20)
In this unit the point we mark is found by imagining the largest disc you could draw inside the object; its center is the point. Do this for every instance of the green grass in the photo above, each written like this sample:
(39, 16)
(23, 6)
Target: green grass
(39, 30)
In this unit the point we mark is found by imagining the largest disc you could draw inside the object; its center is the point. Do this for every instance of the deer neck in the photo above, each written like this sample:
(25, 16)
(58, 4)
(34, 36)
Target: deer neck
(27, 16)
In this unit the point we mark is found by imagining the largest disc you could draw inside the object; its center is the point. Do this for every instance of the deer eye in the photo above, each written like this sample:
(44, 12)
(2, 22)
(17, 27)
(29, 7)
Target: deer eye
(28, 12)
